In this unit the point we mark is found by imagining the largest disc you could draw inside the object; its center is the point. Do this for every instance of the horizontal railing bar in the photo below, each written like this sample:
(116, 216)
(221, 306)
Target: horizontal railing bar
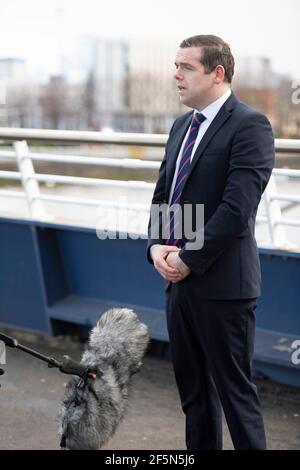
(283, 221)
(119, 205)
(9, 154)
(117, 138)
(118, 162)
(15, 194)
(286, 172)
(92, 202)
(286, 197)
(110, 162)
(289, 222)
(92, 181)
(10, 175)
(136, 207)
(14, 175)
(287, 145)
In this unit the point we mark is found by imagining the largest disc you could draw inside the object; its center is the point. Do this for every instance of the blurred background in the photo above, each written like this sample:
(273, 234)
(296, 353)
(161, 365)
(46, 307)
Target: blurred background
(108, 65)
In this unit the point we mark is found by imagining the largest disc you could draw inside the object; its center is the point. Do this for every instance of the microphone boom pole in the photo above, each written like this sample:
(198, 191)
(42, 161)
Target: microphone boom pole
(67, 366)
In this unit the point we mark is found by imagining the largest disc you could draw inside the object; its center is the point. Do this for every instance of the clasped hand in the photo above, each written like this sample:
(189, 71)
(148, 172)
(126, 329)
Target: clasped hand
(167, 262)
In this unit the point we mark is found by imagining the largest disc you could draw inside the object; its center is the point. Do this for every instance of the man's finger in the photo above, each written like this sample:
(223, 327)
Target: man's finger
(171, 248)
(169, 276)
(163, 266)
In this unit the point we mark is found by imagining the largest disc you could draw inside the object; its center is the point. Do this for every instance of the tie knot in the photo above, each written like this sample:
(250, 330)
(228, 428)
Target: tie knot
(198, 118)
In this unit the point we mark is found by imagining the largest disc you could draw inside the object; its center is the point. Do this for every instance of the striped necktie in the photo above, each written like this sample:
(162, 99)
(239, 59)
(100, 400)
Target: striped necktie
(182, 174)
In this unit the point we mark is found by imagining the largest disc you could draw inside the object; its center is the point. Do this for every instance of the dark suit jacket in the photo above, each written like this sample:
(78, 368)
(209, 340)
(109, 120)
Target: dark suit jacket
(228, 174)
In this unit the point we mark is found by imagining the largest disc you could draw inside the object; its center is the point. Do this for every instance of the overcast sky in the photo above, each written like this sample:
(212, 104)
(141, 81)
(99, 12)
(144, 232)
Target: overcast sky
(33, 29)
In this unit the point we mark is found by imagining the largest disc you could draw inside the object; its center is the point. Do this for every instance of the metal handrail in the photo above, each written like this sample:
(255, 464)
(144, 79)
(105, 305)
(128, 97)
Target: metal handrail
(10, 175)
(286, 172)
(117, 138)
(92, 202)
(30, 179)
(97, 161)
(80, 180)
(83, 137)
(281, 221)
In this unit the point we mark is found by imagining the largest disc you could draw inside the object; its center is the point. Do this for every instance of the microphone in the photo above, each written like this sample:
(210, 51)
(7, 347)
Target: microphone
(95, 404)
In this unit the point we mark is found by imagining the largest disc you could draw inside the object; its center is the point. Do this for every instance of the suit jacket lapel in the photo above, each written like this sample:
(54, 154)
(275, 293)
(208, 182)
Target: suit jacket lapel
(218, 121)
(175, 144)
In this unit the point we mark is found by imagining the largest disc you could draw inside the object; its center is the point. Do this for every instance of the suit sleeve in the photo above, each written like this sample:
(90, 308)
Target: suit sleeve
(250, 167)
(159, 198)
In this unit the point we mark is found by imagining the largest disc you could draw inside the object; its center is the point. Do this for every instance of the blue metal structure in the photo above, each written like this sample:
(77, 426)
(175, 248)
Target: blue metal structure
(51, 273)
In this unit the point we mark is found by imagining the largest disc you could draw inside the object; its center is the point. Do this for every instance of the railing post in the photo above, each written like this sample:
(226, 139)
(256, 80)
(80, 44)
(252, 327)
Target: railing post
(30, 185)
(273, 213)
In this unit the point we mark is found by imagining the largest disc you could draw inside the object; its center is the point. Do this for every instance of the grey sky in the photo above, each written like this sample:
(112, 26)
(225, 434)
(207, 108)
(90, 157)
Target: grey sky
(270, 28)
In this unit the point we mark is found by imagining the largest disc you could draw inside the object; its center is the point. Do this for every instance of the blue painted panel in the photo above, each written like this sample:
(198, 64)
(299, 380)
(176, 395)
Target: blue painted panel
(84, 311)
(279, 306)
(66, 273)
(278, 373)
(51, 264)
(21, 299)
(110, 269)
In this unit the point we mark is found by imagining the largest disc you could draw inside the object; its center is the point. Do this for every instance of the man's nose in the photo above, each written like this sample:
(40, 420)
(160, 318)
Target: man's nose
(177, 75)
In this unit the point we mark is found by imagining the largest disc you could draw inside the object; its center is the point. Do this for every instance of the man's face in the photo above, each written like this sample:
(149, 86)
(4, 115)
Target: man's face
(195, 87)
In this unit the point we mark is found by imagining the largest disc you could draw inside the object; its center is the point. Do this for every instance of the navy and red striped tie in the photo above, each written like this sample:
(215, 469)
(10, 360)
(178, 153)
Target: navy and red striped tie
(182, 175)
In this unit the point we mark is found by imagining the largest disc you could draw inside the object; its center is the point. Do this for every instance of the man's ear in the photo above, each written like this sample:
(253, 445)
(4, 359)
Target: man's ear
(219, 74)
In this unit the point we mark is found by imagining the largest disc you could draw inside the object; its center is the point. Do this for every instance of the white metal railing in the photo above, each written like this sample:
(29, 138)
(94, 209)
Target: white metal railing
(87, 137)
(32, 193)
(117, 138)
(109, 162)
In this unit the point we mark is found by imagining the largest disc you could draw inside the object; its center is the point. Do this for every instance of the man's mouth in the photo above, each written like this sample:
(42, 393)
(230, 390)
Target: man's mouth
(180, 88)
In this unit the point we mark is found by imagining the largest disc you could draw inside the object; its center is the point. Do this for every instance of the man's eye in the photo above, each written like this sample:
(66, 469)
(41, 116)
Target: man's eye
(184, 67)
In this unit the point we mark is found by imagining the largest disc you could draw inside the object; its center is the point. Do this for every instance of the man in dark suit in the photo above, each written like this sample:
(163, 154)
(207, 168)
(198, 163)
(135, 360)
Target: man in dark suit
(221, 155)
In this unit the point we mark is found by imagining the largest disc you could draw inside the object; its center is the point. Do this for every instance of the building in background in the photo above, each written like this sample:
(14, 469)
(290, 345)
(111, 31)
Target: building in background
(257, 84)
(128, 86)
(153, 97)
(98, 70)
(13, 71)
(270, 93)
(18, 102)
(110, 81)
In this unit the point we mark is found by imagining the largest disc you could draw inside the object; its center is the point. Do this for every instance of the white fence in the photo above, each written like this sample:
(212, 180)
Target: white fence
(273, 216)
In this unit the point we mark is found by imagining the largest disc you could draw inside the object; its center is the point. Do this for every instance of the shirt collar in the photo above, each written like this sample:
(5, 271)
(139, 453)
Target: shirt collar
(213, 108)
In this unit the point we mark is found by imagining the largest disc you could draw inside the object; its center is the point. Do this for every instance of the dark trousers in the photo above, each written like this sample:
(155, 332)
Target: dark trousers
(212, 345)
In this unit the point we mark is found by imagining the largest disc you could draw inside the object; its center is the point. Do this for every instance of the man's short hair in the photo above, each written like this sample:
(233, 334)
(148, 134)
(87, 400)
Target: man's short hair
(215, 52)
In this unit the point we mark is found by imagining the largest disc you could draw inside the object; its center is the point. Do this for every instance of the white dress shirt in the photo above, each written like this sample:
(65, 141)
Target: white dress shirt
(210, 113)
